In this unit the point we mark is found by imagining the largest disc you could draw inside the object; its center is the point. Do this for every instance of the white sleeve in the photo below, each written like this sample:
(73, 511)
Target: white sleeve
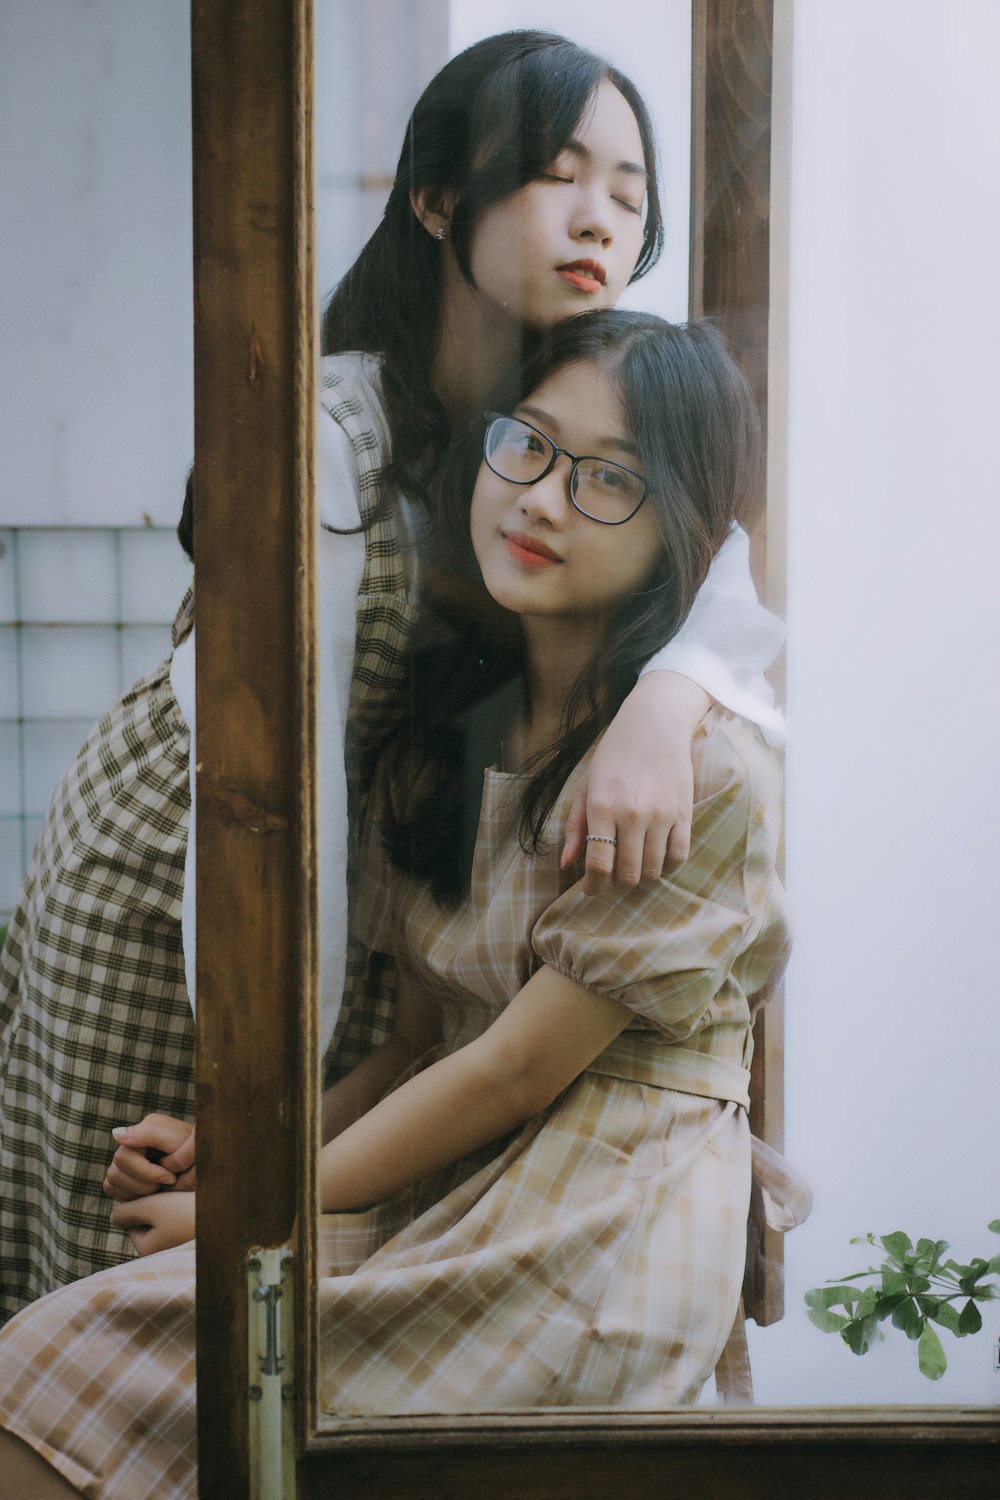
(182, 683)
(728, 640)
(339, 568)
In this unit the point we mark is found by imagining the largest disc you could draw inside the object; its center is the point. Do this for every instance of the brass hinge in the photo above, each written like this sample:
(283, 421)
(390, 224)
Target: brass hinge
(271, 1370)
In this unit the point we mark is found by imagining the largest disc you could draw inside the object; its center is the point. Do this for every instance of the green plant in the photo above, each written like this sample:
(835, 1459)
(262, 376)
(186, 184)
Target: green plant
(914, 1288)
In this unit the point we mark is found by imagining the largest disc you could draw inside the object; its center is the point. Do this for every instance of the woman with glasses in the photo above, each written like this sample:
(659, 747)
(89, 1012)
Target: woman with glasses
(562, 1180)
(536, 1189)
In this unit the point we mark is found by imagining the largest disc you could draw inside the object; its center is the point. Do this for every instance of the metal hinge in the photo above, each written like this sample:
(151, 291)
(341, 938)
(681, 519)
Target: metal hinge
(271, 1370)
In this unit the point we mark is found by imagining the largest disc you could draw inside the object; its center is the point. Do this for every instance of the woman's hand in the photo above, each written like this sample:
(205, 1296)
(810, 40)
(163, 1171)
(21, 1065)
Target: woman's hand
(133, 1173)
(156, 1223)
(639, 788)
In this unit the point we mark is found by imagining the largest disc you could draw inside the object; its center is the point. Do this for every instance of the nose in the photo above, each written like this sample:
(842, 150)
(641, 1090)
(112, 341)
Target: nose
(548, 499)
(592, 218)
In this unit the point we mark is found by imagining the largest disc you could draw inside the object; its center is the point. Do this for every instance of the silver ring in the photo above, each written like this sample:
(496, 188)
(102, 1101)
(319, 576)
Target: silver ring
(601, 838)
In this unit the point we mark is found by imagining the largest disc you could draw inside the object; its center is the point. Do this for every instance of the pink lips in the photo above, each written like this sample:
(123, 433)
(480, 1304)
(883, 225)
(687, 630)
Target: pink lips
(585, 275)
(529, 551)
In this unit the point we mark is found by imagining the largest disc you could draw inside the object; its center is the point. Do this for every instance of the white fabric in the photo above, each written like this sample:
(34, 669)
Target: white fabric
(339, 565)
(728, 640)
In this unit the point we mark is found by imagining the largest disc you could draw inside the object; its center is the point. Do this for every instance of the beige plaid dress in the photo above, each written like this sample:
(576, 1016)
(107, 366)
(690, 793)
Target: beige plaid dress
(95, 1024)
(593, 1257)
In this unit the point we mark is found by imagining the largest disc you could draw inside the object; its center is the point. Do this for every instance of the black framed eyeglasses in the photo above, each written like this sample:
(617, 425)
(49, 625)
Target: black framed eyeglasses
(599, 489)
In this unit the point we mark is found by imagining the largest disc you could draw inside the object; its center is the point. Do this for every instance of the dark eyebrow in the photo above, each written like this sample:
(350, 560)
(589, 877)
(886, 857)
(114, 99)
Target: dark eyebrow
(579, 149)
(543, 417)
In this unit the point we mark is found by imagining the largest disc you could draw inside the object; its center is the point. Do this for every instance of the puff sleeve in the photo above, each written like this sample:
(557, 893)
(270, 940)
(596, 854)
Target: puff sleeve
(689, 950)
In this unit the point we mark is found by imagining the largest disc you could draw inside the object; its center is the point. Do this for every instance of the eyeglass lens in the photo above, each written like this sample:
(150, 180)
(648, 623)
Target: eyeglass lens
(602, 489)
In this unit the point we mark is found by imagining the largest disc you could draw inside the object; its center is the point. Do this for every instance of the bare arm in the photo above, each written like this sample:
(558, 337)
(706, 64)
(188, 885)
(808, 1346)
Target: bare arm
(417, 1028)
(639, 787)
(540, 1043)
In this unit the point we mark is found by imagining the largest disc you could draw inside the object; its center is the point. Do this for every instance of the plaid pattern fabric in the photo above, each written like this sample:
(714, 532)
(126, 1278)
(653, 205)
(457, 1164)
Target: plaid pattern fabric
(384, 618)
(691, 955)
(99, 1379)
(599, 1257)
(95, 1024)
(595, 1257)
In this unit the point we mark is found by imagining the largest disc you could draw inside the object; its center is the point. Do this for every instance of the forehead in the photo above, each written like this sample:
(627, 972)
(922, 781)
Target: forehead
(579, 401)
(608, 128)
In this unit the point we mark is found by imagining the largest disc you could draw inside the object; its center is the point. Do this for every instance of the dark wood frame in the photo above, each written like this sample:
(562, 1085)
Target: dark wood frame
(254, 365)
(733, 210)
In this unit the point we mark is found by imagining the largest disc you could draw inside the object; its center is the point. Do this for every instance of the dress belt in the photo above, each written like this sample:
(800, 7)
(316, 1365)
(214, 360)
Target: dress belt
(721, 1071)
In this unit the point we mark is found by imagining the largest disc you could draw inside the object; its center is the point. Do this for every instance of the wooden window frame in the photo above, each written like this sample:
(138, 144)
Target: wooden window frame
(255, 358)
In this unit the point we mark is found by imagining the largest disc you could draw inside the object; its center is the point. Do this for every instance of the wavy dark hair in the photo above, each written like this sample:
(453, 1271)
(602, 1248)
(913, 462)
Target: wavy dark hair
(493, 119)
(697, 433)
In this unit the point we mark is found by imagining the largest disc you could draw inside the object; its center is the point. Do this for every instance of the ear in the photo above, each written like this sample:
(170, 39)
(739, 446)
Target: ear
(434, 207)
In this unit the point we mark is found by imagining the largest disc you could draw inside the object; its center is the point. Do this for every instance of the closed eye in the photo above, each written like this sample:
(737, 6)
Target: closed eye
(633, 208)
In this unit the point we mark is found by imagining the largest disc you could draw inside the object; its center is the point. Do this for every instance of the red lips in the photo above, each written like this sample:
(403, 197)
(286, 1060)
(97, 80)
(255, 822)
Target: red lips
(529, 551)
(586, 275)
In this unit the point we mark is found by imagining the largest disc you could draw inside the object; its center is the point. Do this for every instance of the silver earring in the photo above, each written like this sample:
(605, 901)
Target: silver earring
(439, 233)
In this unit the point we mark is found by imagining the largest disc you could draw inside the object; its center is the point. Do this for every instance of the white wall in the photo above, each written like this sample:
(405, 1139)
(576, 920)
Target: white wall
(893, 666)
(95, 230)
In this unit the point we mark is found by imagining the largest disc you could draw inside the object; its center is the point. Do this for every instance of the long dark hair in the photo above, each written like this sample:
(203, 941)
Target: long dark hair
(494, 118)
(697, 434)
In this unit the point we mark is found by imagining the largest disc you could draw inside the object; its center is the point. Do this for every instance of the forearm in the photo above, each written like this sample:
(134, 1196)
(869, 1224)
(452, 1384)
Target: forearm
(546, 1036)
(676, 704)
(362, 1088)
(433, 1119)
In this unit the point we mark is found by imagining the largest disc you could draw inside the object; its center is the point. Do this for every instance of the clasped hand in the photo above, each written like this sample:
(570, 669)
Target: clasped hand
(152, 1177)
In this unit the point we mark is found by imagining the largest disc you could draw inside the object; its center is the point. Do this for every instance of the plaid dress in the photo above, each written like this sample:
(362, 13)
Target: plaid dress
(594, 1257)
(95, 1024)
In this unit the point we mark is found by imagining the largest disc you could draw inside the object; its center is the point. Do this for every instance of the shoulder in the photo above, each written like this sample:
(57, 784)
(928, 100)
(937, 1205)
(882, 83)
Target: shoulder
(736, 773)
(352, 438)
(351, 393)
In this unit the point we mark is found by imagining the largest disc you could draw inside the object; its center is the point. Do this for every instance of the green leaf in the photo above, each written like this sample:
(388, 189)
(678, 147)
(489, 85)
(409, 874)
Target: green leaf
(970, 1319)
(946, 1315)
(930, 1354)
(828, 1296)
(867, 1303)
(894, 1282)
(869, 1239)
(885, 1305)
(906, 1317)
(993, 1266)
(826, 1321)
(897, 1245)
(860, 1333)
(993, 1226)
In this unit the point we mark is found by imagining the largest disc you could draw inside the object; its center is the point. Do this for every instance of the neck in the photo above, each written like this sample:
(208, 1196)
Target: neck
(476, 342)
(556, 652)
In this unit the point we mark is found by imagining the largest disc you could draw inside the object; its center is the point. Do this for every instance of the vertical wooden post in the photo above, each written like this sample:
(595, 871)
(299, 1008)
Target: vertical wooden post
(254, 437)
(731, 270)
